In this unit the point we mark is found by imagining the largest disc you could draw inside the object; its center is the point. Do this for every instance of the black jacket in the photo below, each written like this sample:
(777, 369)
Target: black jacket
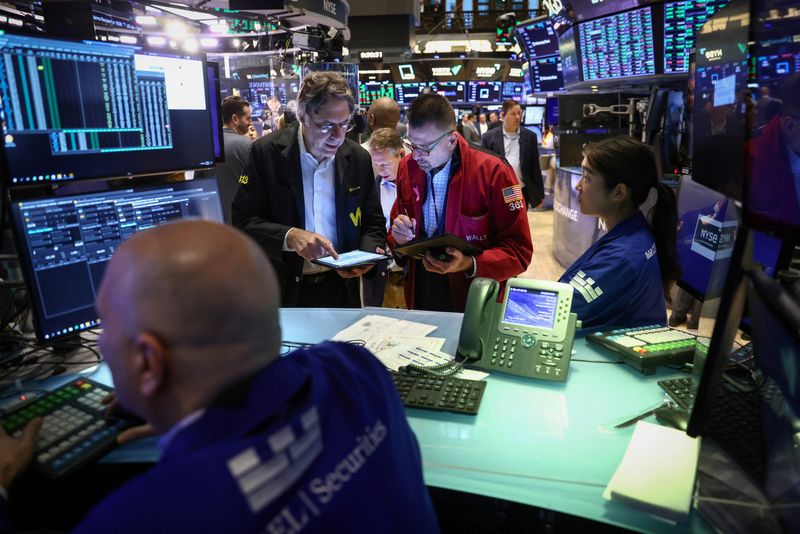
(270, 201)
(528, 158)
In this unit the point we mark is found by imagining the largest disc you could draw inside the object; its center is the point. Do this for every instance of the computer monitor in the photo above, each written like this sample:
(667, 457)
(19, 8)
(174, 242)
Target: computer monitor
(682, 22)
(454, 92)
(591, 9)
(546, 75)
(534, 115)
(551, 113)
(80, 110)
(214, 103)
(407, 92)
(537, 38)
(513, 90)
(64, 243)
(368, 92)
(484, 91)
(618, 46)
(570, 62)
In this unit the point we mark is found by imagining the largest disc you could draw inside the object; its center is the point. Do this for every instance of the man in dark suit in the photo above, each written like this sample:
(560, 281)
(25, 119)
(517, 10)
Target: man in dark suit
(308, 192)
(518, 146)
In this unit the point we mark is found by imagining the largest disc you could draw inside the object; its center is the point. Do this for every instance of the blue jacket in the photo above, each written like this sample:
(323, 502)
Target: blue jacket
(317, 441)
(617, 281)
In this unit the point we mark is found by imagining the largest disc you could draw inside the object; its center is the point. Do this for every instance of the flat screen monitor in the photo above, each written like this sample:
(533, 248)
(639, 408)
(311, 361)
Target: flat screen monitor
(537, 38)
(484, 91)
(534, 115)
(513, 90)
(682, 21)
(406, 92)
(368, 92)
(546, 75)
(214, 103)
(454, 92)
(81, 110)
(618, 46)
(591, 9)
(551, 111)
(570, 63)
(776, 67)
(64, 243)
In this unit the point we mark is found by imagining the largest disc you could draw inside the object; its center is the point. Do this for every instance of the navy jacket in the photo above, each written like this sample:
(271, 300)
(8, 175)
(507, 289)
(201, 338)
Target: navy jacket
(617, 280)
(528, 158)
(316, 442)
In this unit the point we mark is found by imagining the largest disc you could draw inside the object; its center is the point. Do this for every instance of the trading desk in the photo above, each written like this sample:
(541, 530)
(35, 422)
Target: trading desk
(543, 444)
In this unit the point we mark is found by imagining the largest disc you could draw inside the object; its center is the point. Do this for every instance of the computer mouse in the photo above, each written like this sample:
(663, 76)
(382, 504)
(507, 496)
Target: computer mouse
(674, 417)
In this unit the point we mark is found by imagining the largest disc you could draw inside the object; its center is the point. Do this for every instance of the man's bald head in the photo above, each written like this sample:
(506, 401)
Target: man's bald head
(383, 113)
(204, 293)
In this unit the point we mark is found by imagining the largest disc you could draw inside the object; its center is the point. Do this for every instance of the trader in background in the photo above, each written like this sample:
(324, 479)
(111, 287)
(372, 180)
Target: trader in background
(308, 192)
(383, 113)
(519, 146)
(236, 123)
(251, 442)
(450, 186)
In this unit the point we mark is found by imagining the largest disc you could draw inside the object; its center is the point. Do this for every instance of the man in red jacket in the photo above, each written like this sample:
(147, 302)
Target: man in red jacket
(447, 186)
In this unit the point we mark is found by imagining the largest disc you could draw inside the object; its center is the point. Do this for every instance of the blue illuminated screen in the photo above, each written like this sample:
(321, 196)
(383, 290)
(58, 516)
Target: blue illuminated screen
(618, 46)
(546, 75)
(682, 21)
(538, 39)
(368, 92)
(535, 308)
(64, 243)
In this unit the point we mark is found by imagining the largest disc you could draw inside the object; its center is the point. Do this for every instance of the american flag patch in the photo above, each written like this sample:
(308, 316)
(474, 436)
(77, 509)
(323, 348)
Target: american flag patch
(512, 194)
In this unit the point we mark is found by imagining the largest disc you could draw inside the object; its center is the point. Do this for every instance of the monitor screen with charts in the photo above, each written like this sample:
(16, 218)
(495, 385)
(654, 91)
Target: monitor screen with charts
(64, 243)
(79, 110)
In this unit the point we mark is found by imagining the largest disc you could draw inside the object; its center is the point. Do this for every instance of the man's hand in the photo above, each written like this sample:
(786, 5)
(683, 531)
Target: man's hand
(456, 264)
(309, 245)
(16, 454)
(355, 271)
(115, 409)
(403, 229)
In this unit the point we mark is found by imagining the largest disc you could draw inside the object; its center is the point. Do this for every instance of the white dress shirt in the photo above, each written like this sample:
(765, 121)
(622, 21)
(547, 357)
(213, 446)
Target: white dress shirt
(319, 196)
(511, 146)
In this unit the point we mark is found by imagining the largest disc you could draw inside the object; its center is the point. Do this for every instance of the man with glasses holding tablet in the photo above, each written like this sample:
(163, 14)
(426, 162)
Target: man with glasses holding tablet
(448, 186)
(308, 192)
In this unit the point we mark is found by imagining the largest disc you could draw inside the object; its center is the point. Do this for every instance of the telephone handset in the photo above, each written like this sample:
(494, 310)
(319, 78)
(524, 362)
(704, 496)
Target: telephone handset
(529, 334)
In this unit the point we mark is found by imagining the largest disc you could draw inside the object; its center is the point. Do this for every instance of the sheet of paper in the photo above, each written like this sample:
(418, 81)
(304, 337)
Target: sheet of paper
(657, 472)
(378, 324)
(382, 343)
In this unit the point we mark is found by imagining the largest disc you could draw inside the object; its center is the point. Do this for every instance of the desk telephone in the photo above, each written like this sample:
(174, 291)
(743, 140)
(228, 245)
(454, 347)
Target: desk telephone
(529, 334)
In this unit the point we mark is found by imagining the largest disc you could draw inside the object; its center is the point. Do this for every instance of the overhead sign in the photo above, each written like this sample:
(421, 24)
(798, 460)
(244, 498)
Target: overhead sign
(374, 57)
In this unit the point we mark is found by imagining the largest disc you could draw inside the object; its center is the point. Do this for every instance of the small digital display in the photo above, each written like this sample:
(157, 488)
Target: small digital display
(570, 65)
(777, 67)
(513, 90)
(618, 46)
(484, 91)
(546, 75)
(368, 92)
(538, 38)
(407, 92)
(534, 115)
(534, 308)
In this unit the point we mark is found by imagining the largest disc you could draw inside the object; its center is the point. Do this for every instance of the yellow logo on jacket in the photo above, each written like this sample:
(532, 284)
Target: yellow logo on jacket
(356, 217)
(243, 179)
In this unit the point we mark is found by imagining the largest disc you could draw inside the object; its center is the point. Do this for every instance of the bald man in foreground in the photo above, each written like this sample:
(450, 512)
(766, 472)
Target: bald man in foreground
(251, 442)
(383, 113)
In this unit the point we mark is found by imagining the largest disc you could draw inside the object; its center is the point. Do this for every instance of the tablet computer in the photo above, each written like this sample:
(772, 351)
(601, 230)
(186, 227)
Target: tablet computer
(437, 246)
(349, 260)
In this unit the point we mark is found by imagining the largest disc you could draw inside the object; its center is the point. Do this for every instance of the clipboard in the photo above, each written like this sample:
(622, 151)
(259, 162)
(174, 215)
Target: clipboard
(437, 245)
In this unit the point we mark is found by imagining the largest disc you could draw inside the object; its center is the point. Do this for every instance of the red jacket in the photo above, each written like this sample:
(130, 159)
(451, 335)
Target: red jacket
(476, 211)
(771, 195)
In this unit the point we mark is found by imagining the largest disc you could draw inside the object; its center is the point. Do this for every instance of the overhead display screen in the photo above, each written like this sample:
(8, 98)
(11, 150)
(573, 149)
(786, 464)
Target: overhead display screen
(682, 21)
(406, 92)
(368, 92)
(484, 92)
(546, 75)
(590, 9)
(570, 65)
(452, 91)
(618, 46)
(776, 67)
(513, 90)
(538, 38)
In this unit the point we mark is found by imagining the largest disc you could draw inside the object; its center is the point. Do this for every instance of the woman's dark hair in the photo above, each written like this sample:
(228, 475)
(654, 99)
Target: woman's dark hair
(623, 160)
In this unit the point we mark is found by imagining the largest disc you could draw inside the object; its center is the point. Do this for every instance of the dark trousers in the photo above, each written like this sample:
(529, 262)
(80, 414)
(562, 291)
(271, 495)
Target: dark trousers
(431, 290)
(328, 290)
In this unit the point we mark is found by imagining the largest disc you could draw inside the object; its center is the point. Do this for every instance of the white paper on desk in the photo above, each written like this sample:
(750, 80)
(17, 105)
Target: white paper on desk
(378, 324)
(383, 343)
(404, 355)
(657, 472)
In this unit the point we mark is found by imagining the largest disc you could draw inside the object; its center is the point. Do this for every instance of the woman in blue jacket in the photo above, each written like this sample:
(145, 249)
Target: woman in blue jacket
(623, 279)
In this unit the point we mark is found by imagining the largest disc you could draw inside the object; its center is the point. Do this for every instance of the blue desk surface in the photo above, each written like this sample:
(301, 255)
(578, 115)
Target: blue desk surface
(538, 443)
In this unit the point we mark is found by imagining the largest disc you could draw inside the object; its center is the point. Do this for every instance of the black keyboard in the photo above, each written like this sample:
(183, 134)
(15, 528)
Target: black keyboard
(75, 430)
(439, 393)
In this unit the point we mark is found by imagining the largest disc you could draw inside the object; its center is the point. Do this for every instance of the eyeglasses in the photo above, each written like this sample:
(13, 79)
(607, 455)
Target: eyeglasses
(426, 151)
(329, 126)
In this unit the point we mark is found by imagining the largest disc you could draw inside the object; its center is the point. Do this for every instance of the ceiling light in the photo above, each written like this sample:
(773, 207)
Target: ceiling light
(146, 20)
(128, 39)
(155, 40)
(176, 30)
(191, 45)
(209, 42)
